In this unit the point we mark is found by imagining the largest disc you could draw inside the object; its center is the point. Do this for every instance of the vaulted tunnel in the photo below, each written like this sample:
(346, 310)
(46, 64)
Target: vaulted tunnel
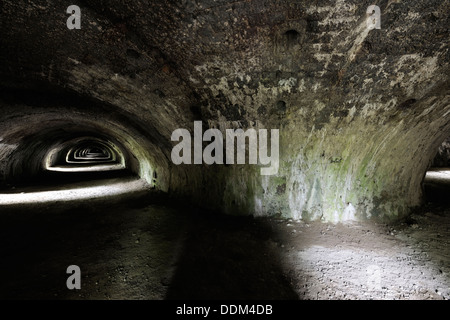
(362, 115)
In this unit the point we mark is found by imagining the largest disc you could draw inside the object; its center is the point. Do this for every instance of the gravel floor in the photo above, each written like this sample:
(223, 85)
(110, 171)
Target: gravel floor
(166, 251)
(409, 260)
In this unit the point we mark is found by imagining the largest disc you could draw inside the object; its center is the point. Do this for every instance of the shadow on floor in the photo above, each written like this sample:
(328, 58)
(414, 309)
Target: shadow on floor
(227, 257)
(138, 250)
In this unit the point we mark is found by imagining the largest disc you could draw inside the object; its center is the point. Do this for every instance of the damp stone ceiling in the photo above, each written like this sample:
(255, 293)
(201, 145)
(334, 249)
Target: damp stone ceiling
(360, 111)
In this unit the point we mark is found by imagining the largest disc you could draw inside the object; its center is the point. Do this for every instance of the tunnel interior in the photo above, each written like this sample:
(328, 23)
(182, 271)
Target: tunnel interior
(436, 182)
(115, 131)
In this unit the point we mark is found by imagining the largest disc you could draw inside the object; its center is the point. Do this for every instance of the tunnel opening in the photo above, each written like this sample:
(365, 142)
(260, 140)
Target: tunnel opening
(84, 159)
(85, 154)
(65, 161)
(436, 182)
(59, 156)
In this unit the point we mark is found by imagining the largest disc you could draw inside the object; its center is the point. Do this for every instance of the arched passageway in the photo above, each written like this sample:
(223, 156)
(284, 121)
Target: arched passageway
(90, 114)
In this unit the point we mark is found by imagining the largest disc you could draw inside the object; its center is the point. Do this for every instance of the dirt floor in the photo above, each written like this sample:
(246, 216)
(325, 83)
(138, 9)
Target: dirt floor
(166, 250)
(409, 260)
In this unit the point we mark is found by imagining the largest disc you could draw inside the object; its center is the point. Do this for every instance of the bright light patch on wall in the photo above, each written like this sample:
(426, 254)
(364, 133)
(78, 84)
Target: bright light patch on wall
(74, 193)
(438, 175)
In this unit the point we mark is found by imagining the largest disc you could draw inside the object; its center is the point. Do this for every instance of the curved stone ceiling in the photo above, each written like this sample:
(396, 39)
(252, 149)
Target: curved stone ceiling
(361, 112)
